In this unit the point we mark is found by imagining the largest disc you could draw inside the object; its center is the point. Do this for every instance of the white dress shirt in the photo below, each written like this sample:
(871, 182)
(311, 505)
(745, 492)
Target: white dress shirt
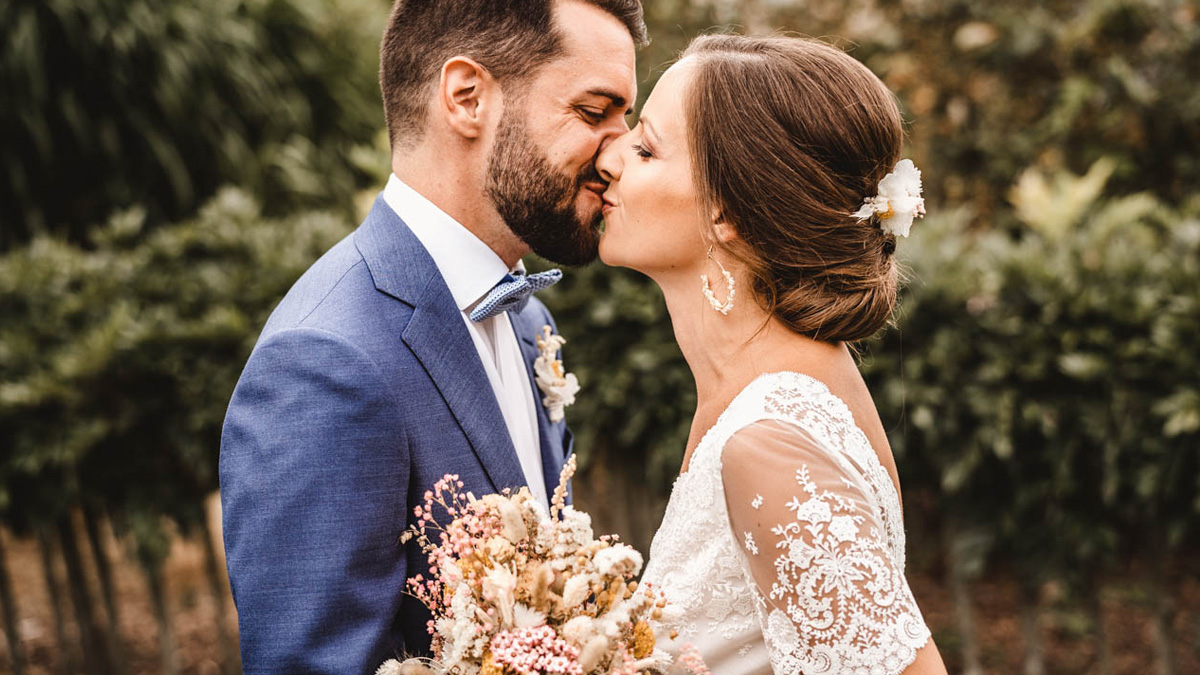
(470, 269)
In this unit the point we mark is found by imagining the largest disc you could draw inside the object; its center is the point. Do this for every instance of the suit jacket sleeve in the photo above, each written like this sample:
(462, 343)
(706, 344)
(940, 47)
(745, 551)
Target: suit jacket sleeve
(314, 476)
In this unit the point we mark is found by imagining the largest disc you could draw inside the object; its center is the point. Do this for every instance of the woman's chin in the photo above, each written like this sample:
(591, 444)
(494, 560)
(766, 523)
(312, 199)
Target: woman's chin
(610, 253)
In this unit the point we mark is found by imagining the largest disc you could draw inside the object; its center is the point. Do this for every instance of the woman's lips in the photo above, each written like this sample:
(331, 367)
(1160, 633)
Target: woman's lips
(609, 201)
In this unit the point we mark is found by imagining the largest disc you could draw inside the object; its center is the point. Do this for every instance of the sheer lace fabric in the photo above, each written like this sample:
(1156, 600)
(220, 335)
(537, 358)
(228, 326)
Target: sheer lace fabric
(830, 584)
(782, 548)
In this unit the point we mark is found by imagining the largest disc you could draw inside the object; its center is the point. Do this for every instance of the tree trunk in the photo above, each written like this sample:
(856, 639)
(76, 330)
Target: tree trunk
(95, 657)
(158, 597)
(964, 610)
(1031, 634)
(66, 648)
(105, 573)
(1104, 661)
(8, 603)
(216, 583)
(601, 493)
(1163, 608)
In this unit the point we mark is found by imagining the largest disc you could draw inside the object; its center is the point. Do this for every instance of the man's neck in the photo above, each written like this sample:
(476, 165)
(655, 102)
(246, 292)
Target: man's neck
(460, 193)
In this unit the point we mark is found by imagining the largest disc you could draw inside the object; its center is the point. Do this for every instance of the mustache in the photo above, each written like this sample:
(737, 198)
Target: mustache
(589, 174)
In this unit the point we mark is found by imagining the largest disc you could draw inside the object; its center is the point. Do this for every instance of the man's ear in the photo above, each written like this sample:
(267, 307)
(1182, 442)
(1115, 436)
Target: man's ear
(467, 93)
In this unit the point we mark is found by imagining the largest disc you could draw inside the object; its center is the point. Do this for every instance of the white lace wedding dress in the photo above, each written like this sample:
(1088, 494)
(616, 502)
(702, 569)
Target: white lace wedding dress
(782, 547)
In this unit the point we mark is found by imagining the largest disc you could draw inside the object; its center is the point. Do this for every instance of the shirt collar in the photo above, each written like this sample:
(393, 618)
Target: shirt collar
(469, 266)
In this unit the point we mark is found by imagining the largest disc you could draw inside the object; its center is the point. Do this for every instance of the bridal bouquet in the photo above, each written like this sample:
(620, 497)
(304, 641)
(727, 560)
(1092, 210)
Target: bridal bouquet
(515, 590)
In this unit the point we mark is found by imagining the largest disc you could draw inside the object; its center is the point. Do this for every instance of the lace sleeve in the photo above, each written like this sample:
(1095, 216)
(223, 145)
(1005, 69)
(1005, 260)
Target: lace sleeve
(833, 597)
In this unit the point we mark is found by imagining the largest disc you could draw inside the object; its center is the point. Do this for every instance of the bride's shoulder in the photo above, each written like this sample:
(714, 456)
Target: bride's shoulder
(791, 417)
(787, 396)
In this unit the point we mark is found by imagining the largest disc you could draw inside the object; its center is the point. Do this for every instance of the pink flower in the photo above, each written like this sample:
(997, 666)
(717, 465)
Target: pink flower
(530, 651)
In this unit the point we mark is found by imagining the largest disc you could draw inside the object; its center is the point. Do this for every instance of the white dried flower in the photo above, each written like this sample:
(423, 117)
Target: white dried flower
(389, 667)
(412, 666)
(618, 560)
(575, 529)
(898, 200)
(498, 586)
(576, 590)
(578, 630)
(450, 572)
(527, 617)
(500, 549)
(511, 521)
(558, 386)
(592, 652)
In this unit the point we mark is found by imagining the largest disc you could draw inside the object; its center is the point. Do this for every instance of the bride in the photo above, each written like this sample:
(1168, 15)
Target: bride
(762, 190)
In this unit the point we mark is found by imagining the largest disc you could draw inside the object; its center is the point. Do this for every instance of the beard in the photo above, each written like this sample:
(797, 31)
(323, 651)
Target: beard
(537, 201)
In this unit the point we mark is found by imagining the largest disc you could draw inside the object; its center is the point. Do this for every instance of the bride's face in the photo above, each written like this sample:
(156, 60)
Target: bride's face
(652, 216)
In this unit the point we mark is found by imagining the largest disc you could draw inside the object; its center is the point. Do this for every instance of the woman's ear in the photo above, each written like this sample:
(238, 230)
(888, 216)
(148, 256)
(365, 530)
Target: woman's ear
(466, 96)
(724, 231)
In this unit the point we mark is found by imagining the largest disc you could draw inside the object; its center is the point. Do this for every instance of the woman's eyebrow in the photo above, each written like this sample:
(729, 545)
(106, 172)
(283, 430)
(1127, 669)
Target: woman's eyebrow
(650, 128)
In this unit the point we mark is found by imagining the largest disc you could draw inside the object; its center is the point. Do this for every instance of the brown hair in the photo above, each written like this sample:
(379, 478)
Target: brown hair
(511, 38)
(788, 136)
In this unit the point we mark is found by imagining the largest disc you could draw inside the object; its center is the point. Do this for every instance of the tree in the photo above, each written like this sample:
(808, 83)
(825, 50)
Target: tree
(157, 103)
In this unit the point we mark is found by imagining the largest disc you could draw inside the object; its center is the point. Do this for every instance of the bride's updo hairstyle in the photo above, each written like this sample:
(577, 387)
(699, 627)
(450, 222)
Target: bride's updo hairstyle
(787, 137)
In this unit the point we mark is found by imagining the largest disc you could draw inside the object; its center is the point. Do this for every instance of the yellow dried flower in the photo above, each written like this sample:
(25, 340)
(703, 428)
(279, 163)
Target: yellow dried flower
(489, 667)
(643, 640)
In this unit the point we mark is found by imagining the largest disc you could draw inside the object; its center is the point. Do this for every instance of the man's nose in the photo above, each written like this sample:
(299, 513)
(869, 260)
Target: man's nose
(618, 128)
(608, 162)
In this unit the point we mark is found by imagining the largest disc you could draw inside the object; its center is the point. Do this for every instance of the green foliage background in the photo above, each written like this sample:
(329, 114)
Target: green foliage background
(1041, 381)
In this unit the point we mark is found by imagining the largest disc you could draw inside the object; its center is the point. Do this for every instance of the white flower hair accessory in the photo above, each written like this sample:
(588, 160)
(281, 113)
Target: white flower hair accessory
(899, 200)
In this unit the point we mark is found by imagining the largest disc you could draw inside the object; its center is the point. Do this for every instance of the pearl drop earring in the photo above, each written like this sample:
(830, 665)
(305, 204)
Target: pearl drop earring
(722, 307)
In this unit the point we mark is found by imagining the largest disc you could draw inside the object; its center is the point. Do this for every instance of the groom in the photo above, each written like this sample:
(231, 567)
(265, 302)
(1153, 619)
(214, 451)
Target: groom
(393, 360)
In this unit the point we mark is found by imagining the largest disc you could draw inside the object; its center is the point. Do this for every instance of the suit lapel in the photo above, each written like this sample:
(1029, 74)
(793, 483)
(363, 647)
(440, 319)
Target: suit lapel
(550, 434)
(439, 339)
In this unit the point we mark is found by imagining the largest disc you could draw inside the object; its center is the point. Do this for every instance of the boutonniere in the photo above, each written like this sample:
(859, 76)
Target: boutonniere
(558, 385)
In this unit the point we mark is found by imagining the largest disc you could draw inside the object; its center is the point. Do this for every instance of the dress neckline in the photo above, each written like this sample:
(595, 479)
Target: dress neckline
(742, 394)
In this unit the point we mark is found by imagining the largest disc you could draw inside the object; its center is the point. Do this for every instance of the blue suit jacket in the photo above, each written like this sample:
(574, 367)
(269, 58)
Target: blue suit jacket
(364, 389)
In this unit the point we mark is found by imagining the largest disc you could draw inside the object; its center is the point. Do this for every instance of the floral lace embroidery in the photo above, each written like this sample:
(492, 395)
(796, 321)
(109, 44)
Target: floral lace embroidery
(870, 622)
(695, 560)
(836, 585)
(750, 545)
(809, 403)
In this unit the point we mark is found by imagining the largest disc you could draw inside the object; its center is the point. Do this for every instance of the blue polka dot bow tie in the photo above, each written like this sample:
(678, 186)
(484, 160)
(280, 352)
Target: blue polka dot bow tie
(513, 293)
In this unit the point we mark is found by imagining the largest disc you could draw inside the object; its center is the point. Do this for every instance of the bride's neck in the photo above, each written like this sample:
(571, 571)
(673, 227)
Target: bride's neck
(725, 352)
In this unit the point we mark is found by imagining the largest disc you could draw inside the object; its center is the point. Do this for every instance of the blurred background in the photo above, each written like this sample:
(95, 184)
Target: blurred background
(169, 167)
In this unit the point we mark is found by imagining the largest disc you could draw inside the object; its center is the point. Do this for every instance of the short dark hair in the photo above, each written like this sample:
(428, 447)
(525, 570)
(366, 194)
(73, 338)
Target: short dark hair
(511, 38)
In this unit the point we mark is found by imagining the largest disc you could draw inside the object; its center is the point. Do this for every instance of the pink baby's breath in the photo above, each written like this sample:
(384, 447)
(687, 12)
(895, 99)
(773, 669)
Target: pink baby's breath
(689, 659)
(530, 651)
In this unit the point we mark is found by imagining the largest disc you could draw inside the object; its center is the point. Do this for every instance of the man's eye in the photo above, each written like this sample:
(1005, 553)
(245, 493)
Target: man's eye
(595, 116)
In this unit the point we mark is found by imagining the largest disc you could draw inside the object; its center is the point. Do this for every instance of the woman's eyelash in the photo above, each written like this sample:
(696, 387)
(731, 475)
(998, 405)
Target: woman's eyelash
(642, 151)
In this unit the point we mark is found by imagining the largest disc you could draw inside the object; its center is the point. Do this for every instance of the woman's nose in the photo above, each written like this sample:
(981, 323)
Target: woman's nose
(609, 162)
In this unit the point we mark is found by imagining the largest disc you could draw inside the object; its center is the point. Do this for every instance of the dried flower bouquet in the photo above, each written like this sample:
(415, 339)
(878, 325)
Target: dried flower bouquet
(515, 590)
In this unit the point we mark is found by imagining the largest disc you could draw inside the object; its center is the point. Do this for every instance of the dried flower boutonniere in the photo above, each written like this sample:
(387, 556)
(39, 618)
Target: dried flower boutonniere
(558, 386)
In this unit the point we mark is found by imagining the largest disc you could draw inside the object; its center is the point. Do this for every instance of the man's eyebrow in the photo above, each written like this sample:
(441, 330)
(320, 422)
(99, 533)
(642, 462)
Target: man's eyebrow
(617, 99)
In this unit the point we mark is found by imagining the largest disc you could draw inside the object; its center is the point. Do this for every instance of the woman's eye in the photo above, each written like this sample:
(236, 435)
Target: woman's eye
(641, 151)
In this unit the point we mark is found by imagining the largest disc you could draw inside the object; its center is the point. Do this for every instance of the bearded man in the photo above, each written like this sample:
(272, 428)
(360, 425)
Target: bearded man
(405, 353)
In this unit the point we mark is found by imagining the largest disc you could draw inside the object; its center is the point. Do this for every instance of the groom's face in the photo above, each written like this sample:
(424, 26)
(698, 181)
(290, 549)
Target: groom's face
(542, 170)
